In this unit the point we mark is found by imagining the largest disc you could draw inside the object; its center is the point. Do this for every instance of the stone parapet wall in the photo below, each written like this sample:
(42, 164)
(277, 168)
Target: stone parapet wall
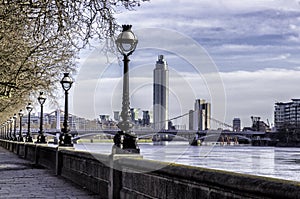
(122, 176)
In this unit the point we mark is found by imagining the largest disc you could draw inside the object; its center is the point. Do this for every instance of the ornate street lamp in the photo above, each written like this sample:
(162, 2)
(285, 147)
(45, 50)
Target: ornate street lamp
(20, 138)
(1, 136)
(41, 137)
(65, 138)
(2, 131)
(11, 120)
(29, 108)
(15, 127)
(125, 141)
(7, 130)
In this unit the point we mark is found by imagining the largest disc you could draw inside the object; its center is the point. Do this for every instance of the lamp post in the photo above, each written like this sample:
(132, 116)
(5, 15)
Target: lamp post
(11, 120)
(2, 131)
(65, 138)
(7, 129)
(15, 127)
(41, 137)
(20, 138)
(125, 141)
(29, 108)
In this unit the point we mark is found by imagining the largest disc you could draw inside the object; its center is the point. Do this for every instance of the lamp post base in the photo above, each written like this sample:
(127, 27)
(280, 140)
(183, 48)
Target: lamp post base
(29, 139)
(65, 140)
(41, 139)
(125, 144)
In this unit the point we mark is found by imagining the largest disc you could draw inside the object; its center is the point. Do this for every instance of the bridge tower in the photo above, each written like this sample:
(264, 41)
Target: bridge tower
(57, 114)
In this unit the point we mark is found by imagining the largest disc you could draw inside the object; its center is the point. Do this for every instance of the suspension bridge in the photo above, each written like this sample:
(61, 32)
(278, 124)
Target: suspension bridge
(219, 135)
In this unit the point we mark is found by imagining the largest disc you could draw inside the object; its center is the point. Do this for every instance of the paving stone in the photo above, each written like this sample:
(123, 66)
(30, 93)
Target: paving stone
(19, 179)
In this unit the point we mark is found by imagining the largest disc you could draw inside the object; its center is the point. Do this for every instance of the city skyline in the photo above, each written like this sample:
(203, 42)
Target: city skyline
(254, 45)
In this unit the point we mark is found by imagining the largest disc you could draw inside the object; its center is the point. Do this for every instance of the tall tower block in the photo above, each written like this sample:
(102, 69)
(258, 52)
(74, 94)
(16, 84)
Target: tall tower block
(160, 94)
(201, 117)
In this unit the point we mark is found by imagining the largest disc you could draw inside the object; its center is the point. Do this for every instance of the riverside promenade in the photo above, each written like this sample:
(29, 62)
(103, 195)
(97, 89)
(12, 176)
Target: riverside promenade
(21, 179)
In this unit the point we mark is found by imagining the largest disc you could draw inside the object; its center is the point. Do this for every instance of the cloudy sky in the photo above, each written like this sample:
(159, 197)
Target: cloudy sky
(242, 56)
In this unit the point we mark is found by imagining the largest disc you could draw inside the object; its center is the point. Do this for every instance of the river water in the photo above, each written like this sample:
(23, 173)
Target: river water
(283, 163)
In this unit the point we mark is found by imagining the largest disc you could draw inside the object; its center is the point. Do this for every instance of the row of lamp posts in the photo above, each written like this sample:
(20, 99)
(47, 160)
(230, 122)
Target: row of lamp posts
(124, 141)
(9, 128)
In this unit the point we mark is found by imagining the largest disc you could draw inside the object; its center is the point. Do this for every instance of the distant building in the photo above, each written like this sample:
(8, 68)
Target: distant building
(236, 124)
(201, 117)
(191, 120)
(117, 116)
(146, 118)
(287, 114)
(104, 118)
(134, 115)
(160, 94)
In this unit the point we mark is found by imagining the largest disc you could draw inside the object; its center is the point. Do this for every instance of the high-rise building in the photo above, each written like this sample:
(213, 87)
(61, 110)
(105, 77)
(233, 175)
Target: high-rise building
(117, 116)
(287, 114)
(146, 118)
(202, 112)
(236, 124)
(134, 114)
(160, 94)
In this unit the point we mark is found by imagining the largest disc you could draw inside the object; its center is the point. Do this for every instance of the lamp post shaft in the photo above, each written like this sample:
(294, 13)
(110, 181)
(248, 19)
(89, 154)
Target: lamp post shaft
(125, 125)
(7, 130)
(28, 136)
(41, 119)
(65, 138)
(28, 126)
(125, 139)
(41, 137)
(9, 126)
(15, 129)
(20, 132)
(66, 116)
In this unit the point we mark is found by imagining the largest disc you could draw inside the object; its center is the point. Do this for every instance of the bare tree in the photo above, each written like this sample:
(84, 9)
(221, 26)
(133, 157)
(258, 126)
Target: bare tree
(41, 39)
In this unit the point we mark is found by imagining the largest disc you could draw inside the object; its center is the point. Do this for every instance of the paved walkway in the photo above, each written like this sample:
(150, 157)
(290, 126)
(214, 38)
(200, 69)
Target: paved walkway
(19, 179)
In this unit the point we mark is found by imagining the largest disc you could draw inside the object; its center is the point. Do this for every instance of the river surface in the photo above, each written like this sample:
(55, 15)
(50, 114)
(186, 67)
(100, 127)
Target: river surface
(283, 163)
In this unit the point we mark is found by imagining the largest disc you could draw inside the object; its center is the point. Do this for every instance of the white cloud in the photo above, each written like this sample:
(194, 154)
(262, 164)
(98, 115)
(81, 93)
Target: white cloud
(254, 93)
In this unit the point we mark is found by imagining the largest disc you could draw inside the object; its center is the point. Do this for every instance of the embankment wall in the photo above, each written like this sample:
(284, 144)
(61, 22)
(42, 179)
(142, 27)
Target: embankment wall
(125, 176)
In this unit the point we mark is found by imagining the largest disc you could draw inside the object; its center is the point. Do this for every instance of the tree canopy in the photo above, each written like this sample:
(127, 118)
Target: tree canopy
(40, 39)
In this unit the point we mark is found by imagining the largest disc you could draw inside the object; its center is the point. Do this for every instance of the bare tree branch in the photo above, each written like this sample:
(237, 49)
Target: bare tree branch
(41, 38)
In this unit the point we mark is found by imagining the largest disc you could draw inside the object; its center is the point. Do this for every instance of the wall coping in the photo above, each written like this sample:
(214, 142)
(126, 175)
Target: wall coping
(268, 186)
